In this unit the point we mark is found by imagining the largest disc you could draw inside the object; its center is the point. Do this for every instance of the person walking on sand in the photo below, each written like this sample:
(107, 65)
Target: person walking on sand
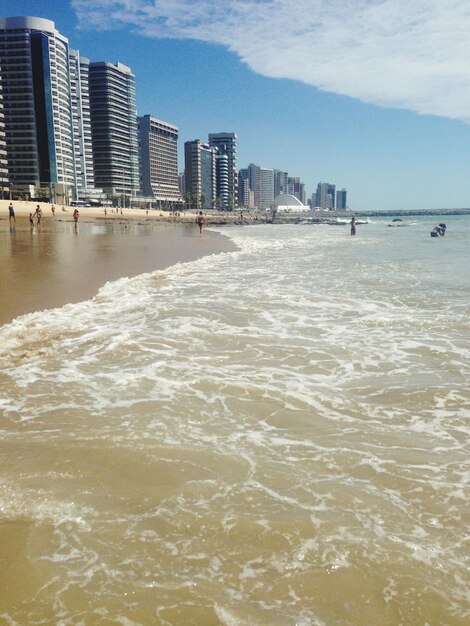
(31, 221)
(201, 221)
(53, 210)
(38, 214)
(76, 215)
(353, 226)
(11, 214)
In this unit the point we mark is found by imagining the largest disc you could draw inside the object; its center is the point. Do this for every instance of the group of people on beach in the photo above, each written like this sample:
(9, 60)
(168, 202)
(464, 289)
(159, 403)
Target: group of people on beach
(36, 217)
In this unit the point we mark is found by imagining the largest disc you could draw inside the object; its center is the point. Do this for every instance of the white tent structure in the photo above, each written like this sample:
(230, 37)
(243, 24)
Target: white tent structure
(286, 203)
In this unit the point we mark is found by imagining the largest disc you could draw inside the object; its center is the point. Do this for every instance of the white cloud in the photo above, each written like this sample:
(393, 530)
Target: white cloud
(407, 54)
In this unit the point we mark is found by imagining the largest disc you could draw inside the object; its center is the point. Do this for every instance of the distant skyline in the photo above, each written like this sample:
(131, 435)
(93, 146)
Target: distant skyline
(371, 96)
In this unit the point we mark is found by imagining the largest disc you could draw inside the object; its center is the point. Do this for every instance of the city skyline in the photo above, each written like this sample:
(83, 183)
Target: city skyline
(385, 157)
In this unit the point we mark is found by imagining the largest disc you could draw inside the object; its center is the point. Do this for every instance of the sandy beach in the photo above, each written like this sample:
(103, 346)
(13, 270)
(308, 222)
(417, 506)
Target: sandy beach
(57, 263)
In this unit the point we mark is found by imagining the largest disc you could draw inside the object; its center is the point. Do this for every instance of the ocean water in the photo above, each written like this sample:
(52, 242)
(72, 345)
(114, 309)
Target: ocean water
(274, 436)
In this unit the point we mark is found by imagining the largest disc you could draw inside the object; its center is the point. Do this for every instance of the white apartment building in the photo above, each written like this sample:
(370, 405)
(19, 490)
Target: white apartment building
(226, 143)
(84, 176)
(200, 173)
(262, 184)
(158, 143)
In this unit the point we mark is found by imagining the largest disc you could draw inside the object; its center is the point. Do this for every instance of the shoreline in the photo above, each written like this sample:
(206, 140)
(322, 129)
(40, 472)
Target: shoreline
(214, 218)
(57, 264)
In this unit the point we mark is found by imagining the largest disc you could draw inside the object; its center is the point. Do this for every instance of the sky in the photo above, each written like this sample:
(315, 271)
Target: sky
(369, 95)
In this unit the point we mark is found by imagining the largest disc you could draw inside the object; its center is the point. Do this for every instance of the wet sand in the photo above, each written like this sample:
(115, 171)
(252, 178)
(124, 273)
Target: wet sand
(56, 264)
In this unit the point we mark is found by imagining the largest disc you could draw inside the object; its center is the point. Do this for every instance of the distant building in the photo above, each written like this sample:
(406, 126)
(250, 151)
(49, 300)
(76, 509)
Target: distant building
(280, 182)
(266, 188)
(325, 196)
(243, 187)
(114, 129)
(226, 143)
(262, 184)
(84, 175)
(182, 184)
(158, 143)
(296, 188)
(341, 200)
(287, 203)
(200, 173)
(36, 99)
(222, 181)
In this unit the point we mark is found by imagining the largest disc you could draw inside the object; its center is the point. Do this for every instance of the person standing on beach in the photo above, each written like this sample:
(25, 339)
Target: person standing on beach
(76, 215)
(353, 226)
(200, 220)
(31, 221)
(53, 210)
(38, 214)
(11, 214)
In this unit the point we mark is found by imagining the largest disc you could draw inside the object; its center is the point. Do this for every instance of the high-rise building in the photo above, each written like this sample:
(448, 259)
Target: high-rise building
(262, 184)
(266, 187)
(243, 187)
(280, 182)
(341, 200)
(226, 143)
(222, 180)
(253, 180)
(295, 187)
(114, 128)
(200, 173)
(182, 184)
(80, 107)
(325, 195)
(36, 97)
(4, 178)
(158, 142)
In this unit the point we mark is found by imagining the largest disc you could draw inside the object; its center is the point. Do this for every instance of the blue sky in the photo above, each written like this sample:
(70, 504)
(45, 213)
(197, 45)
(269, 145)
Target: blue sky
(371, 95)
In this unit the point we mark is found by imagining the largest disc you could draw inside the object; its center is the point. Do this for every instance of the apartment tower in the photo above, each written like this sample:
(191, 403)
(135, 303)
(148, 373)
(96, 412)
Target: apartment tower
(222, 178)
(4, 178)
(81, 121)
(325, 195)
(243, 187)
(280, 182)
(36, 100)
(262, 184)
(341, 200)
(158, 142)
(226, 143)
(200, 173)
(114, 128)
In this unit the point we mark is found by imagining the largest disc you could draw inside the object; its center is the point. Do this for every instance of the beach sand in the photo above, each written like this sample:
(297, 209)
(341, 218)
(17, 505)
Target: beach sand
(57, 263)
